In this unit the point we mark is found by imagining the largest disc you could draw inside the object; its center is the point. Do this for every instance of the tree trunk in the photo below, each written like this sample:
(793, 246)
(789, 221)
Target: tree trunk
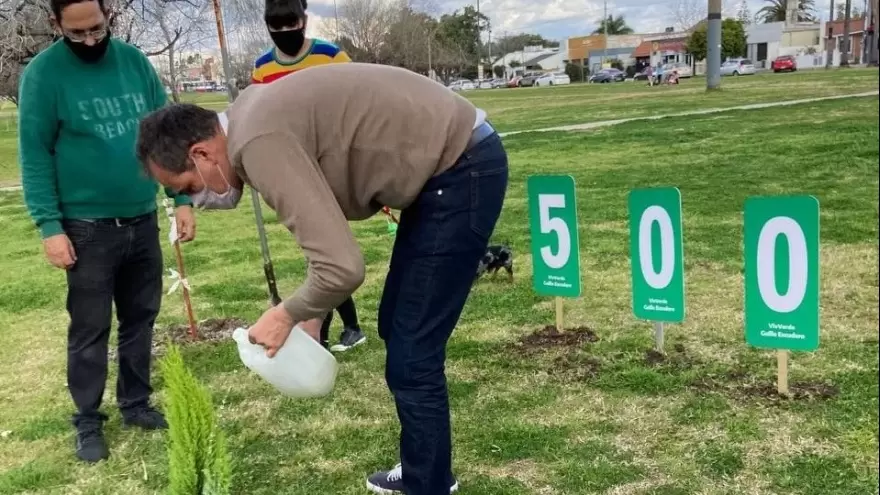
(844, 53)
(172, 74)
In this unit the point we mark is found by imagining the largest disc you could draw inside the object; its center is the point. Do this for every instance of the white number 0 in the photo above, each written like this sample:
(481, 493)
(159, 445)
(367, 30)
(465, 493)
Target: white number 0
(554, 224)
(797, 264)
(667, 247)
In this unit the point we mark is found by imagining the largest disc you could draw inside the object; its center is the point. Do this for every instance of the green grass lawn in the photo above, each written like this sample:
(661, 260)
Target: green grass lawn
(589, 418)
(533, 108)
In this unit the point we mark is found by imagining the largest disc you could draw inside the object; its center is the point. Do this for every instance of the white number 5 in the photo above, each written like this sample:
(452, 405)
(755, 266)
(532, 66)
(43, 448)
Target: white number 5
(554, 224)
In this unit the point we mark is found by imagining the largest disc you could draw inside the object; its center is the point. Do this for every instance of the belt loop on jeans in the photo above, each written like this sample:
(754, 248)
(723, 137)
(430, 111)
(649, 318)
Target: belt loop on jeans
(480, 134)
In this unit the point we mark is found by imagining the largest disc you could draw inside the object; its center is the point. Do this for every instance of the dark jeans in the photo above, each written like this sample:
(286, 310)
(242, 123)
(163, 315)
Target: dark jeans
(119, 263)
(439, 243)
(348, 312)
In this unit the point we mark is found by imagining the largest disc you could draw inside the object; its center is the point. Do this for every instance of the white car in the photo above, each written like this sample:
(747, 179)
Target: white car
(684, 70)
(484, 84)
(554, 79)
(462, 85)
(737, 67)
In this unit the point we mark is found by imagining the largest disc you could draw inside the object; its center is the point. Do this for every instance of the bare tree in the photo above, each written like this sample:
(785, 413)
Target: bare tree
(25, 30)
(247, 37)
(177, 27)
(364, 24)
(688, 13)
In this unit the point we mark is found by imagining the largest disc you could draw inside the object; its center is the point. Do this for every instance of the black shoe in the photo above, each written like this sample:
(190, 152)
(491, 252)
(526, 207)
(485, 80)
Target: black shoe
(391, 482)
(350, 337)
(90, 445)
(144, 417)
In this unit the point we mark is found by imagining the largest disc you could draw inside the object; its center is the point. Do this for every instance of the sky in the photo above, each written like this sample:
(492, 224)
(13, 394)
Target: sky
(560, 19)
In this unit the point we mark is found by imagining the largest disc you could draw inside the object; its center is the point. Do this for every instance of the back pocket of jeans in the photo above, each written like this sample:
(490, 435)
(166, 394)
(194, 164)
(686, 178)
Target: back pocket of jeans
(488, 188)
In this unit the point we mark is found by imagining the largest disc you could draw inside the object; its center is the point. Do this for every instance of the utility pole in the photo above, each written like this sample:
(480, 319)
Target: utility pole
(713, 50)
(872, 47)
(845, 51)
(489, 48)
(829, 44)
(479, 42)
(605, 33)
(232, 93)
(336, 17)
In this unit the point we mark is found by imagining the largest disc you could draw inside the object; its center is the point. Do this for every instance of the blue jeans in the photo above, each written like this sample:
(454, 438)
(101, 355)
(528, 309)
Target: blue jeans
(439, 242)
(117, 263)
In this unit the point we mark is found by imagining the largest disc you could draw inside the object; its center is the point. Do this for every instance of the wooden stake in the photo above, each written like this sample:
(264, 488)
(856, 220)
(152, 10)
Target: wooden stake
(169, 210)
(782, 377)
(559, 325)
(193, 330)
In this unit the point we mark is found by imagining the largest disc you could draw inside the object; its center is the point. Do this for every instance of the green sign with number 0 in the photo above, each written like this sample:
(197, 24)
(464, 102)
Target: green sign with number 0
(656, 254)
(782, 272)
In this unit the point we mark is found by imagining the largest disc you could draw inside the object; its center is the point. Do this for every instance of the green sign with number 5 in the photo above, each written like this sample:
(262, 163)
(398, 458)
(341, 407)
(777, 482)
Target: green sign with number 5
(553, 221)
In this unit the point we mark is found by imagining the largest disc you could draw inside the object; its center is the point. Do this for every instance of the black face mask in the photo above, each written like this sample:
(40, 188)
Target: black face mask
(86, 53)
(289, 42)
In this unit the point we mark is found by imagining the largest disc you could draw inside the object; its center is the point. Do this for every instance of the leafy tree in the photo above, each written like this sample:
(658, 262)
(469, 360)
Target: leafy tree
(854, 12)
(774, 11)
(733, 40)
(616, 25)
(575, 72)
(516, 42)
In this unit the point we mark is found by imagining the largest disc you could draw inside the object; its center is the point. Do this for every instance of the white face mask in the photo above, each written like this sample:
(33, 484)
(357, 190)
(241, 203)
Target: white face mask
(207, 199)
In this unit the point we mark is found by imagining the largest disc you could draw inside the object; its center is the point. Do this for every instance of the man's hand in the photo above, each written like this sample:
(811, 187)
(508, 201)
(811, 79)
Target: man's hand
(271, 330)
(59, 251)
(186, 223)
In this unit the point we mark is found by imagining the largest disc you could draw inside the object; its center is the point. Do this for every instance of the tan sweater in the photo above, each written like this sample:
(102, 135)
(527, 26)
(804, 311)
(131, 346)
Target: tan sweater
(334, 143)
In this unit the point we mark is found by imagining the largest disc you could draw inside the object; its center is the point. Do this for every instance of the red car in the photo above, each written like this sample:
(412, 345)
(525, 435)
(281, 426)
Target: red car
(784, 63)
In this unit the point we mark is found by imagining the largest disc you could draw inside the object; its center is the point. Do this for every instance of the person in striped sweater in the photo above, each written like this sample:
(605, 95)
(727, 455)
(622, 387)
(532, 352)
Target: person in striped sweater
(294, 51)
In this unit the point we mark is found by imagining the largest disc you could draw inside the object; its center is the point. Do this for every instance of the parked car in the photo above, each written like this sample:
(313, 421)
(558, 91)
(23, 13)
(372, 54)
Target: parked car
(608, 76)
(553, 79)
(684, 70)
(484, 84)
(514, 82)
(528, 80)
(737, 67)
(461, 85)
(641, 76)
(784, 63)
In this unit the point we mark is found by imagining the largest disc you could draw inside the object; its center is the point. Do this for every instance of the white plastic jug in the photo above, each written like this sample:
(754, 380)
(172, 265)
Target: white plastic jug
(301, 368)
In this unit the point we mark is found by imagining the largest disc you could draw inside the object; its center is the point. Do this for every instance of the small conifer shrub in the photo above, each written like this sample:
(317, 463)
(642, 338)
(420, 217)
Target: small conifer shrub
(198, 461)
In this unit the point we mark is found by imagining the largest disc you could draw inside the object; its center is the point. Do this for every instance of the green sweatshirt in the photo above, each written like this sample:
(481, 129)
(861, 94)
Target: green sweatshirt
(77, 128)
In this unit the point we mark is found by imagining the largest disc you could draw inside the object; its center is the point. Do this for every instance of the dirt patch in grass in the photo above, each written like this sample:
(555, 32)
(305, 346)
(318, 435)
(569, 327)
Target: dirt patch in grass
(738, 385)
(677, 358)
(210, 330)
(575, 368)
(550, 337)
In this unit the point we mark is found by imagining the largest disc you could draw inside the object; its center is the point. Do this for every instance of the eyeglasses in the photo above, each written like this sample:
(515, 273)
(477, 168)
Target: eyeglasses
(81, 35)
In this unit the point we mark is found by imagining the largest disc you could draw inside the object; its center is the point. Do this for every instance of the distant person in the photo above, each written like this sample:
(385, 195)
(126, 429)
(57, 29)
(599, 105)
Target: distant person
(81, 101)
(332, 145)
(293, 51)
(649, 72)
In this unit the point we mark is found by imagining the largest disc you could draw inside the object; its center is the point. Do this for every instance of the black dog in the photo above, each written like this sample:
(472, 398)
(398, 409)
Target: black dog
(497, 256)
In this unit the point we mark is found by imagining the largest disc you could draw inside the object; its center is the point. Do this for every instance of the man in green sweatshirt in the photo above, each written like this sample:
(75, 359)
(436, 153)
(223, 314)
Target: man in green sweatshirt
(80, 103)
